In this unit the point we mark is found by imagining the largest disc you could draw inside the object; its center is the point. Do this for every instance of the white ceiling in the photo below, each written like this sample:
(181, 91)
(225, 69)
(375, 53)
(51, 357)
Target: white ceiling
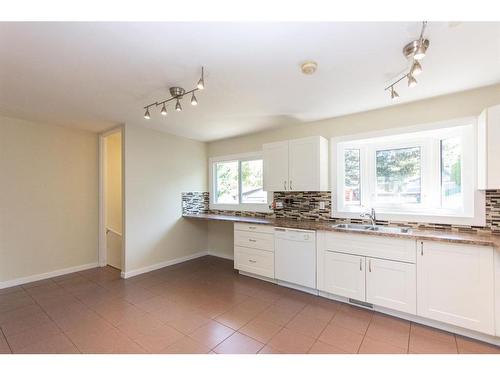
(95, 75)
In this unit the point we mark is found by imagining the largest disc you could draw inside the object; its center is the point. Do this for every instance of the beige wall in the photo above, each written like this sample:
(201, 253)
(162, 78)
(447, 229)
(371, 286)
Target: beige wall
(464, 104)
(158, 168)
(48, 198)
(113, 185)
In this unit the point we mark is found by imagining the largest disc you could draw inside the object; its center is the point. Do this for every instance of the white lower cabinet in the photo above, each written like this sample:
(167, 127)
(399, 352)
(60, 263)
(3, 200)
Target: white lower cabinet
(254, 249)
(455, 285)
(391, 284)
(343, 274)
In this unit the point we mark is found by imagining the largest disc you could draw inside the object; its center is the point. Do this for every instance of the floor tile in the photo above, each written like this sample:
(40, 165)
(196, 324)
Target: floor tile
(390, 330)
(356, 320)
(188, 322)
(427, 340)
(32, 336)
(211, 334)
(471, 346)
(236, 317)
(323, 348)
(4, 346)
(342, 338)
(158, 340)
(307, 326)
(57, 344)
(372, 346)
(288, 341)
(278, 315)
(238, 344)
(186, 345)
(269, 350)
(260, 330)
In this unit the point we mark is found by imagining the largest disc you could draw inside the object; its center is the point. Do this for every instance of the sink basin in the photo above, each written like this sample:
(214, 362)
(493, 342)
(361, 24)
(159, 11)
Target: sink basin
(384, 229)
(373, 228)
(353, 226)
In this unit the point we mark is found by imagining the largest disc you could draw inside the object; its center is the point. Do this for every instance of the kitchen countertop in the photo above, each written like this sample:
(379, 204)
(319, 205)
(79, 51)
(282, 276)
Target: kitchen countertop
(418, 234)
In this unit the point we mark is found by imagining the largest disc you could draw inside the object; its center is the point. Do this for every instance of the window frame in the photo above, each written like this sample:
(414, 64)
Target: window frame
(256, 207)
(473, 212)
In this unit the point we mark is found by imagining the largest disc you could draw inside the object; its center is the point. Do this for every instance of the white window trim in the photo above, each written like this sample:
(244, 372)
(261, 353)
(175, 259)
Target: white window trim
(254, 207)
(478, 218)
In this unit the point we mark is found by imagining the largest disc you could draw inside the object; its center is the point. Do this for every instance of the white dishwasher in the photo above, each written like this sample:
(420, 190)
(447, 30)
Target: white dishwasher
(295, 256)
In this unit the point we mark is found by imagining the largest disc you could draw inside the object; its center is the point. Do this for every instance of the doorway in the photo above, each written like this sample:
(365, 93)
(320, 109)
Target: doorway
(111, 200)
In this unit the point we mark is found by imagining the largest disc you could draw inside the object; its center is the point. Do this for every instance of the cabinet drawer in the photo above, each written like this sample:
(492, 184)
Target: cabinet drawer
(262, 241)
(254, 227)
(259, 262)
(399, 249)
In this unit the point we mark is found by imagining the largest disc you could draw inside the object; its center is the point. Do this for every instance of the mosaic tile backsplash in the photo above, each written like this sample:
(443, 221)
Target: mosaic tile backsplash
(306, 206)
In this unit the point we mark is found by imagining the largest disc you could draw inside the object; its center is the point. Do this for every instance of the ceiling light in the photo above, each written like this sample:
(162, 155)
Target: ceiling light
(201, 82)
(194, 101)
(416, 68)
(177, 93)
(394, 94)
(412, 82)
(420, 51)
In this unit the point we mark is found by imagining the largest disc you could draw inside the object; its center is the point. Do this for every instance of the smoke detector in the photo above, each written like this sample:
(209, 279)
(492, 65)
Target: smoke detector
(309, 67)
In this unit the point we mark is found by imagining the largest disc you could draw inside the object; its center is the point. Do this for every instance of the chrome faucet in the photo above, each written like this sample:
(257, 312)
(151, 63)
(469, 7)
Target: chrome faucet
(371, 215)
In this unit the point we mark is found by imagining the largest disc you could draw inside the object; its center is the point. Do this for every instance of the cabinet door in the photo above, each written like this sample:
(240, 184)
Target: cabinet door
(455, 285)
(392, 284)
(275, 166)
(304, 168)
(488, 156)
(344, 275)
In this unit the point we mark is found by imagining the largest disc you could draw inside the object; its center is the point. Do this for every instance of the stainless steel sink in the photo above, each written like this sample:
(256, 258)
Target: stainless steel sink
(373, 228)
(353, 226)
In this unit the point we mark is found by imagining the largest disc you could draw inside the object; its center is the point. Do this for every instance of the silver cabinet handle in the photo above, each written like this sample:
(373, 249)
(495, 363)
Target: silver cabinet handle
(252, 228)
(252, 261)
(252, 240)
(360, 264)
(370, 265)
(291, 188)
(422, 248)
(284, 184)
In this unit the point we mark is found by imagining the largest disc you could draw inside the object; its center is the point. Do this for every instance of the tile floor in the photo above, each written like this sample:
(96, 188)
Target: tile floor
(200, 306)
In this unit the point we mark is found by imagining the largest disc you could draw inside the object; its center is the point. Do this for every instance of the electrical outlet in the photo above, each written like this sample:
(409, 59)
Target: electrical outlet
(321, 205)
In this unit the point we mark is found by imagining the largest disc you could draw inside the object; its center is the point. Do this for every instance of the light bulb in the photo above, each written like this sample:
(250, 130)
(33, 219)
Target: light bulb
(147, 116)
(420, 52)
(416, 68)
(178, 106)
(394, 94)
(194, 101)
(201, 84)
(412, 82)
(163, 110)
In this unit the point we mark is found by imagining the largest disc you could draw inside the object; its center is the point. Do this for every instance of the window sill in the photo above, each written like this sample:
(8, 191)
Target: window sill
(264, 207)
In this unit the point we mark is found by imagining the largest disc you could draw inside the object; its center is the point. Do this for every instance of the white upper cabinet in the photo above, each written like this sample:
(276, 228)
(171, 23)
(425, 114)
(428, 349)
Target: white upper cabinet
(296, 165)
(276, 166)
(455, 285)
(488, 150)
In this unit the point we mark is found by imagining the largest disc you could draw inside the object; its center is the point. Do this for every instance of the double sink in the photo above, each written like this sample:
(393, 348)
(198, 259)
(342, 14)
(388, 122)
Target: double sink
(373, 228)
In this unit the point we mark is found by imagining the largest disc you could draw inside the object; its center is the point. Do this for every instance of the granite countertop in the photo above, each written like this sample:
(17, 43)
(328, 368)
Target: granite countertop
(418, 234)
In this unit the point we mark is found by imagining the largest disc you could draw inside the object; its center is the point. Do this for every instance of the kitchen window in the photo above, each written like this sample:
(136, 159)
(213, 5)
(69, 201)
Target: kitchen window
(236, 183)
(427, 174)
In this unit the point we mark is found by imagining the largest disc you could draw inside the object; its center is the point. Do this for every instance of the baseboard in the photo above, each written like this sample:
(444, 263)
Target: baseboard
(167, 263)
(218, 255)
(46, 275)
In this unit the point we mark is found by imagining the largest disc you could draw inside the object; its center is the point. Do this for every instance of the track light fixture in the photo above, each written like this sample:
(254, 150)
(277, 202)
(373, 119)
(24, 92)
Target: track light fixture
(177, 94)
(394, 94)
(412, 82)
(415, 51)
(194, 101)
